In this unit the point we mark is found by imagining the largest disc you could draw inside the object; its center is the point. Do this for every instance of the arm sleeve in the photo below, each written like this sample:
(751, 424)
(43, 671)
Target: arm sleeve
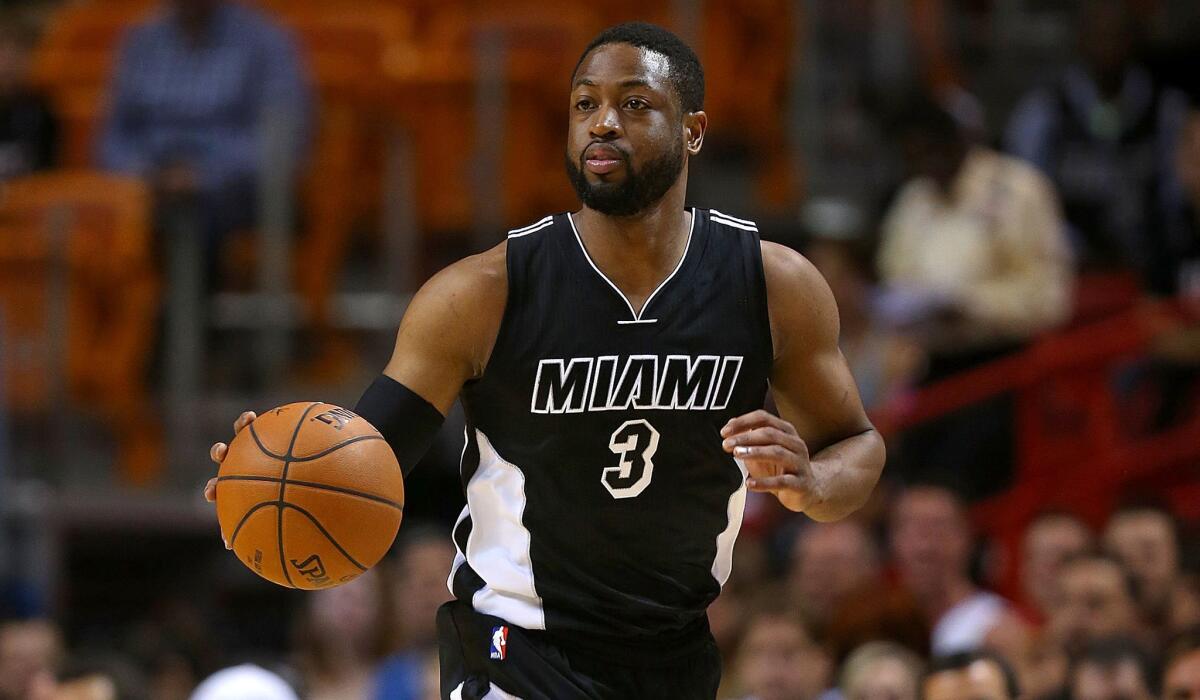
(407, 422)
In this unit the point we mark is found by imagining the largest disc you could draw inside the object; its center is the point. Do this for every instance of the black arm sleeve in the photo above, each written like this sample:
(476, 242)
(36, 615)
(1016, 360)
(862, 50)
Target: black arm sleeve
(407, 422)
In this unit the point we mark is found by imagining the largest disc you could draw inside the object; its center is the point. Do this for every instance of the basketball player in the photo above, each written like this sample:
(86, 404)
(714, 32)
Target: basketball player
(613, 364)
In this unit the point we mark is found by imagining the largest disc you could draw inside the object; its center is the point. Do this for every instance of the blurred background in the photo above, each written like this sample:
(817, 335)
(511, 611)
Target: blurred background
(209, 206)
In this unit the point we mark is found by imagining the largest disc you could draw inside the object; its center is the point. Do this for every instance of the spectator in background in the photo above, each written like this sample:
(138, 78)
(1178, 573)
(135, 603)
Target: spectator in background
(1145, 539)
(102, 676)
(422, 566)
(345, 633)
(882, 361)
(28, 127)
(973, 676)
(931, 546)
(881, 671)
(1099, 601)
(190, 94)
(30, 650)
(975, 262)
(1113, 669)
(829, 562)
(1050, 539)
(1181, 668)
(778, 660)
(1105, 133)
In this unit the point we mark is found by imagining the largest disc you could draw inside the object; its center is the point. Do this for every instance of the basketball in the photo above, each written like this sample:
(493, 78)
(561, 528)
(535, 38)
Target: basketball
(309, 496)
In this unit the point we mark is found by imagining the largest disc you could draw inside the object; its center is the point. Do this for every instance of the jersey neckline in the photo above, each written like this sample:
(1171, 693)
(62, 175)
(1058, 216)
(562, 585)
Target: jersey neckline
(637, 317)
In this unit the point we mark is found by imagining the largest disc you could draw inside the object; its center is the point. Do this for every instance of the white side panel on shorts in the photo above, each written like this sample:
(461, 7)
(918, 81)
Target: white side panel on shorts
(459, 557)
(723, 564)
(493, 693)
(498, 546)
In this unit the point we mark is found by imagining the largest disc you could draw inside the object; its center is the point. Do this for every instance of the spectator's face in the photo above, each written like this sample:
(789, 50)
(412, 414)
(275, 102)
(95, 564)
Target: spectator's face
(930, 540)
(28, 652)
(1124, 681)
(1048, 543)
(1145, 541)
(981, 680)
(777, 661)
(421, 588)
(346, 616)
(1182, 679)
(884, 679)
(1096, 603)
(830, 561)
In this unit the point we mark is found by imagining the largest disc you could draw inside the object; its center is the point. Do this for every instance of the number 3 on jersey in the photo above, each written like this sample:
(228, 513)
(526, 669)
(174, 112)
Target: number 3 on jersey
(634, 443)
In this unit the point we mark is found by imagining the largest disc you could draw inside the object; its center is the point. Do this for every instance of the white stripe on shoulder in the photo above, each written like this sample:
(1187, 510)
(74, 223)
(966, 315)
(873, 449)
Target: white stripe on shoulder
(548, 224)
(532, 226)
(732, 218)
(734, 224)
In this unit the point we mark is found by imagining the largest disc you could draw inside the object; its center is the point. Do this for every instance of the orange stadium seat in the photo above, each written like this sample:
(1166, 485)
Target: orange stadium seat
(110, 307)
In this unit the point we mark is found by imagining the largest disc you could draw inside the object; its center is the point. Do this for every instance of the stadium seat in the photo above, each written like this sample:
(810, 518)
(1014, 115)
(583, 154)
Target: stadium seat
(89, 232)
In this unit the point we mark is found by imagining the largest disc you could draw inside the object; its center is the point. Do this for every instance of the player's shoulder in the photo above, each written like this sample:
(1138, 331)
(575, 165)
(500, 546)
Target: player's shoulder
(799, 300)
(476, 275)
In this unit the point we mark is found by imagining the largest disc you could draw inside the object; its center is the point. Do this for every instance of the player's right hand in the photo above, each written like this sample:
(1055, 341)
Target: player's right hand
(219, 449)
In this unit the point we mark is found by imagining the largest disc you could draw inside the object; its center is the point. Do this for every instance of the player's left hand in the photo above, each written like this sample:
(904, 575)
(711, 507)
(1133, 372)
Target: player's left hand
(775, 456)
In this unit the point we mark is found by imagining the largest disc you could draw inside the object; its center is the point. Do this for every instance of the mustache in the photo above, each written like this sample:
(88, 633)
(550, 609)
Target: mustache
(621, 153)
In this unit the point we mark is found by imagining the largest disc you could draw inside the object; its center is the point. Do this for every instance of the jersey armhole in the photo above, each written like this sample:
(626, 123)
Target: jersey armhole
(758, 276)
(505, 318)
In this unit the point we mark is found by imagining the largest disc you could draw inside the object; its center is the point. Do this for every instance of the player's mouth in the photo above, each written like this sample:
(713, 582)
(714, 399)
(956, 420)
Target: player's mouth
(602, 160)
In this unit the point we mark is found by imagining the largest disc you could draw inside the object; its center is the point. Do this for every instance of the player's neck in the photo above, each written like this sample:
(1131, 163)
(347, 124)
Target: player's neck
(653, 236)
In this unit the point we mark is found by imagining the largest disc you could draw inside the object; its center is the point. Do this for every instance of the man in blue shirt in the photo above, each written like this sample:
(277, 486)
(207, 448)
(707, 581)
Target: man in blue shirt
(191, 90)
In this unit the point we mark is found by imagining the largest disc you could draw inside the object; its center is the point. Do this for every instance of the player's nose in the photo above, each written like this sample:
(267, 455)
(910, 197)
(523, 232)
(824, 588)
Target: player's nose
(606, 124)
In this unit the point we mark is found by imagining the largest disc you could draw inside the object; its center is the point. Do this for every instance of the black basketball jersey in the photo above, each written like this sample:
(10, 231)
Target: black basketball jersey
(600, 504)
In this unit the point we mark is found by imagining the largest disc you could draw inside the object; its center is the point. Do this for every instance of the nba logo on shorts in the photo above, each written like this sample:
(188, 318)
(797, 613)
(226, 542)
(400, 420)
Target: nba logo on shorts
(499, 643)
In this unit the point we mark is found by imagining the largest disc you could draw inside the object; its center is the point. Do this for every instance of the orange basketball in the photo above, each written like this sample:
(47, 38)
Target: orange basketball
(309, 496)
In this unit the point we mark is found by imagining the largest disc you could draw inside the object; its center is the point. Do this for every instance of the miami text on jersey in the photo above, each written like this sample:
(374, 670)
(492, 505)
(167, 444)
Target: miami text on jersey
(646, 382)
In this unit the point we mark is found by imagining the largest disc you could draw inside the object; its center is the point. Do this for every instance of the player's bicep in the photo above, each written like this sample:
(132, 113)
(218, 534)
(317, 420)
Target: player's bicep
(448, 329)
(810, 379)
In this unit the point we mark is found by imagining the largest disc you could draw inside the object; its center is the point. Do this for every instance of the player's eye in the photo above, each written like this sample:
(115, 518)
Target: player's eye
(584, 104)
(636, 104)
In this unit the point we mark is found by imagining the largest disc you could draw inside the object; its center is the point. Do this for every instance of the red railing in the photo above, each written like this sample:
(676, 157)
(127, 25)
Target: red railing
(1075, 450)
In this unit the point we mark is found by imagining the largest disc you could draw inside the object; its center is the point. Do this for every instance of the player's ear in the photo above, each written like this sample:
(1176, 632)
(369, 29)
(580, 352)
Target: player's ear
(695, 124)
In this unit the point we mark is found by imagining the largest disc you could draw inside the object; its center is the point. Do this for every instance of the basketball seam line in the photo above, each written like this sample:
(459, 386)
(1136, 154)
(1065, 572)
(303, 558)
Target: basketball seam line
(287, 461)
(261, 446)
(314, 485)
(335, 448)
(325, 532)
(252, 511)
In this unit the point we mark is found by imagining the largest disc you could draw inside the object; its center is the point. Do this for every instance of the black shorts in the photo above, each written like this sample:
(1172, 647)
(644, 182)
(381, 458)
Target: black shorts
(484, 657)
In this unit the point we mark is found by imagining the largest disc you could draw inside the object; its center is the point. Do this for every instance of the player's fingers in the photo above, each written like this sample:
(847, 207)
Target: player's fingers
(218, 451)
(210, 490)
(768, 435)
(242, 421)
(774, 483)
(764, 453)
(755, 419)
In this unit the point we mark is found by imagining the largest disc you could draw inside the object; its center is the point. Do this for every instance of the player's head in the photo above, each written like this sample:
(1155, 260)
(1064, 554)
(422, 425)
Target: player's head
(637, 96)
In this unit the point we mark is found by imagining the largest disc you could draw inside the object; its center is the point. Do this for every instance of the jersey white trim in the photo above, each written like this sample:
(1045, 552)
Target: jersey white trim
(494, 693)
(637, 317)
(498, 546)
(535, 224)
(734, 224)
(547, 223)
(723, 215)
(723, 562)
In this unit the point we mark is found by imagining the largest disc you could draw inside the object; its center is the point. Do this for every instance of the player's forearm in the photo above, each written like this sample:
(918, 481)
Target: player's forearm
(844, 475)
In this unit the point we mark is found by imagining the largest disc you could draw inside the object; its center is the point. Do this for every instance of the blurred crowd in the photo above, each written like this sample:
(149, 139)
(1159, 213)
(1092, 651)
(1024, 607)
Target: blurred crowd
(994, 221)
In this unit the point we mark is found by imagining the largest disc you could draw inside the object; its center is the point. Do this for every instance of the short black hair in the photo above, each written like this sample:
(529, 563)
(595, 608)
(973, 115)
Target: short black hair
(687, 75)
(1110, 652)
(961, 660)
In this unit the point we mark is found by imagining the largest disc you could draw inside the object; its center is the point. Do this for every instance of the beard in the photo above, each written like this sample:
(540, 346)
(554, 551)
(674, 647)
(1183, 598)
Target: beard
(637, 192)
